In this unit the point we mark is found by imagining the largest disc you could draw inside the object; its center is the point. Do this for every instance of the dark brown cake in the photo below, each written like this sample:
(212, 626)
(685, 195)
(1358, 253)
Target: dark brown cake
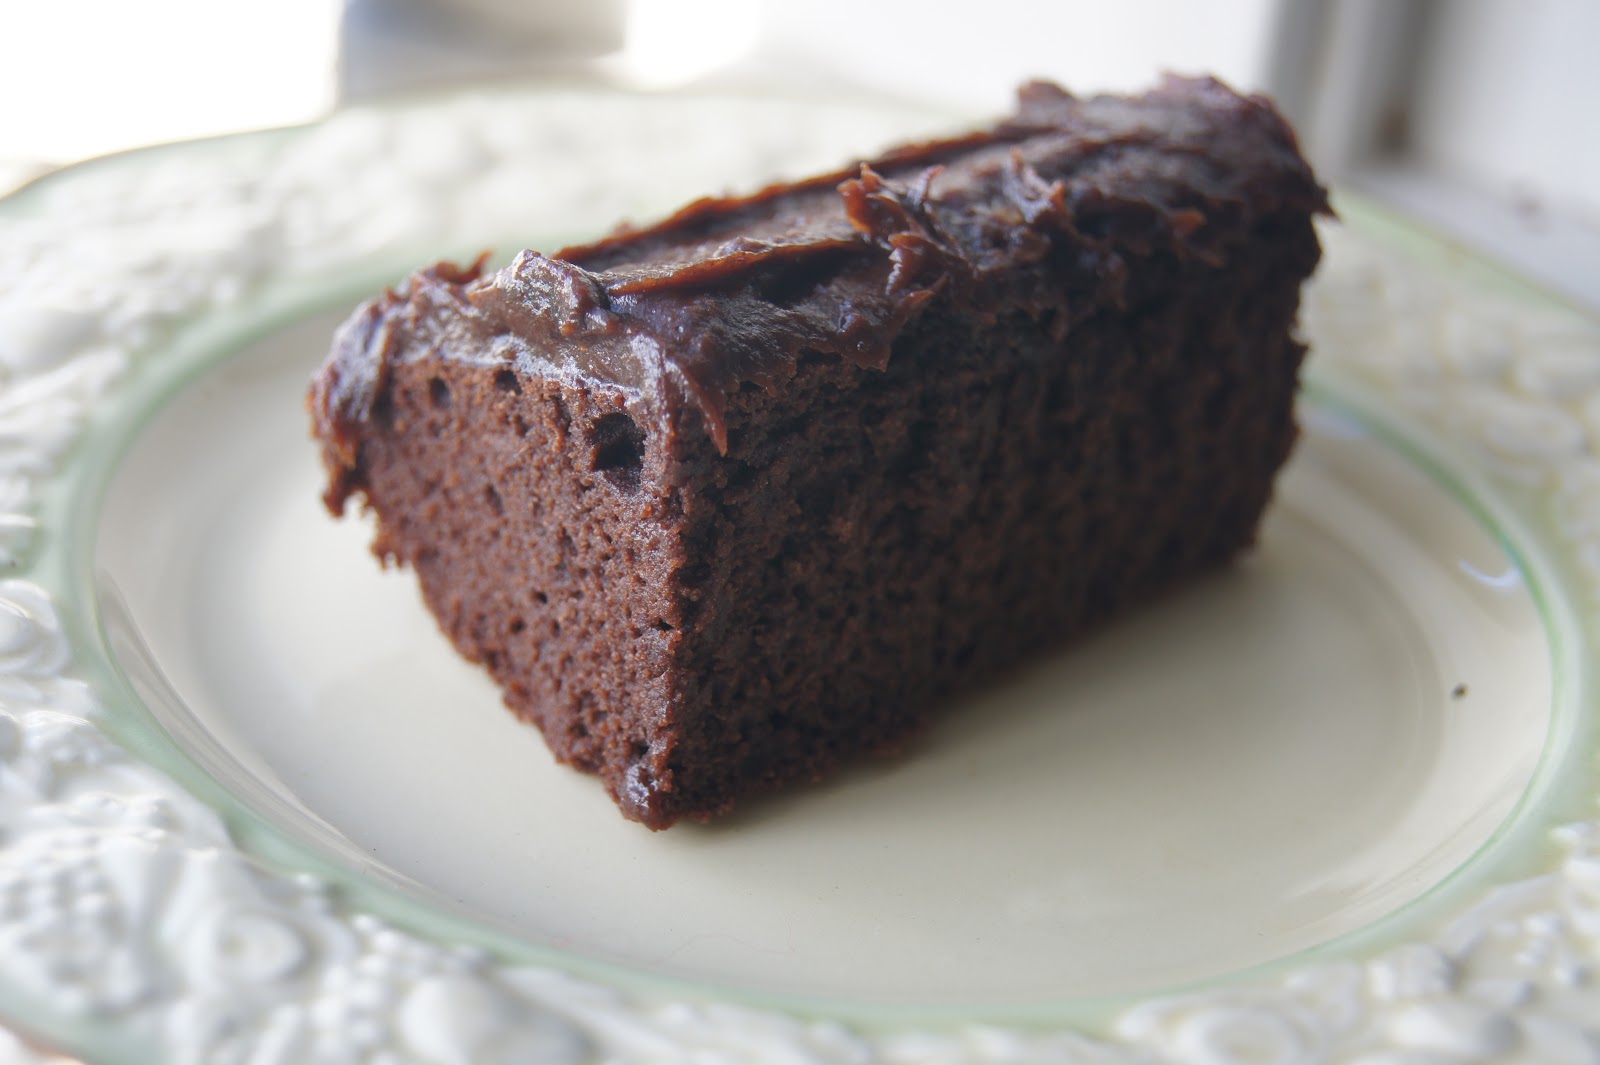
(726, 501)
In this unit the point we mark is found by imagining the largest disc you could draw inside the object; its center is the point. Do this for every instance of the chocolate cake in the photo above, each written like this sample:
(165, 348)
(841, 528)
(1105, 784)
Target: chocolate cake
(723, 502)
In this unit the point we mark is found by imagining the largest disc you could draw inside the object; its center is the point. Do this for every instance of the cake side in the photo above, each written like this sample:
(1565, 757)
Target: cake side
(1008, 500)
(725, 502)
(532, 517)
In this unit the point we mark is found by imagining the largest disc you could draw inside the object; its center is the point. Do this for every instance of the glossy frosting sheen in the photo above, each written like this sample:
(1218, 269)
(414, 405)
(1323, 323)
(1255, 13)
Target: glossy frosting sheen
(731, 291)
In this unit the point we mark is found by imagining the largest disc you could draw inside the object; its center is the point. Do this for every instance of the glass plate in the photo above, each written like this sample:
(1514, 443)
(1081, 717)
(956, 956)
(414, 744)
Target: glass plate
(1335, 804)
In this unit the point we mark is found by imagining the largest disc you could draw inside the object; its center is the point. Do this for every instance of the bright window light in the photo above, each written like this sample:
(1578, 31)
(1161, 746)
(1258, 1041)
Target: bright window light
(84, 77)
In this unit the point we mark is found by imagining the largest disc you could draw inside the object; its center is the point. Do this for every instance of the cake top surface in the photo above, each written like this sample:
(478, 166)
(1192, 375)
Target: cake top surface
(730, 291)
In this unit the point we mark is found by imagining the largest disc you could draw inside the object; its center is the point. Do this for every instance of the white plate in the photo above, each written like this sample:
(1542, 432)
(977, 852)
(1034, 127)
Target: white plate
(1335, 802)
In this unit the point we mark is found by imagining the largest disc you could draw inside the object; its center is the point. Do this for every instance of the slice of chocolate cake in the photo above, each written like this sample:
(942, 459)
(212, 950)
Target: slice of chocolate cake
(726, 501)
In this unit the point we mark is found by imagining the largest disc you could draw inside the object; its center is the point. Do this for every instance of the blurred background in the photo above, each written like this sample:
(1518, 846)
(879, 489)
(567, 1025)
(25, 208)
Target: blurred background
(1476, 116)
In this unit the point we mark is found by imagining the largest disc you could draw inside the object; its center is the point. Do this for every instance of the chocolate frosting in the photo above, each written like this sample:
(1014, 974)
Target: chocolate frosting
(731, 291)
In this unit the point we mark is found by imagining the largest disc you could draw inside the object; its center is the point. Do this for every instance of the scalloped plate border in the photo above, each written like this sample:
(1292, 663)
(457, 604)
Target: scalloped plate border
(134, 927)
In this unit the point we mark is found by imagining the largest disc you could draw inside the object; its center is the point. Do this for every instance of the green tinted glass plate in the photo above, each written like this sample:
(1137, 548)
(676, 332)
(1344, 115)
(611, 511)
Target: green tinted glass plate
(1336, 802)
